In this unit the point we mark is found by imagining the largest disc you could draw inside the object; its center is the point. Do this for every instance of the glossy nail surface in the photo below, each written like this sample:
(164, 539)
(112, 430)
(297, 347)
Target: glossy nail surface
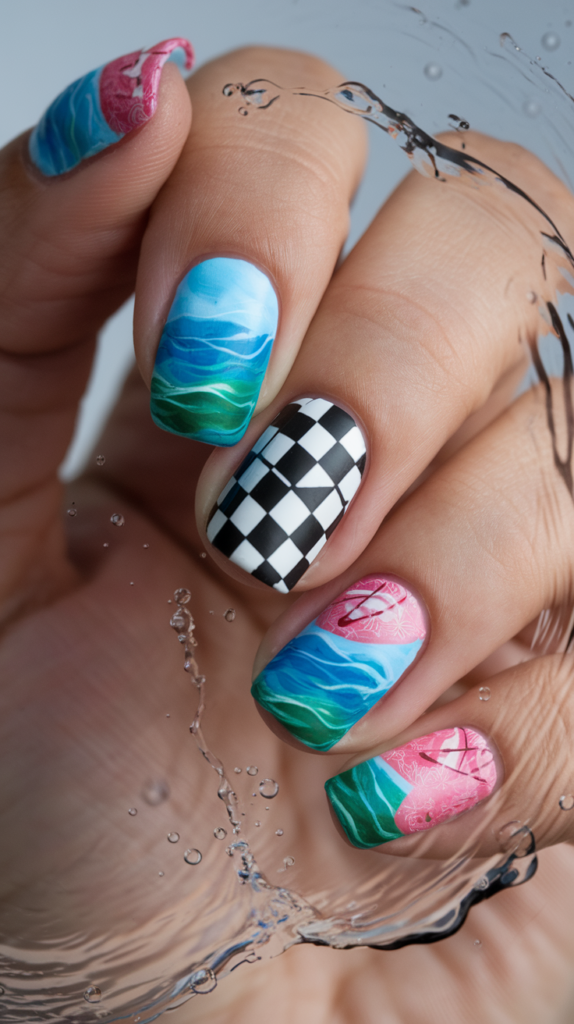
(99, 109)
(290, 493)
(414, 787)
(214, 351)
(342, 663)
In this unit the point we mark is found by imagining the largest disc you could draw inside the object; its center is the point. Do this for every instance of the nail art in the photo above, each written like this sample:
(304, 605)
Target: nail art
(414, 787)
(214, 351)
(99, 109)
(342, 663)
(290, 493)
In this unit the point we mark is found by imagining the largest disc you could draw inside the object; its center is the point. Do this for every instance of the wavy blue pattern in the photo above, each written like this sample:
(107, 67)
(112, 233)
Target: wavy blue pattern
(366, 799)
(214, 351)
(320, 683)
(72, 128)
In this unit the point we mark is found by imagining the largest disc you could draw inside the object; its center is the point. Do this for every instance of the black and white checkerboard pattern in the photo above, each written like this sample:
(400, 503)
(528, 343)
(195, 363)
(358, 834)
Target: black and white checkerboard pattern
(283, 503)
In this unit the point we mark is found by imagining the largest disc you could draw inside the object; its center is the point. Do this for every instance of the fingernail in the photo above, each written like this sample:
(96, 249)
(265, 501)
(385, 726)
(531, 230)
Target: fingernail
(342, 663)
(214, 351)
(289, 494)
(99, 109)
(414, 787)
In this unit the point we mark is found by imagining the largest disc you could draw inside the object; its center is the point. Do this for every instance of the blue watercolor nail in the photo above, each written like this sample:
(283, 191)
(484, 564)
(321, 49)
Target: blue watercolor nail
(214, 351)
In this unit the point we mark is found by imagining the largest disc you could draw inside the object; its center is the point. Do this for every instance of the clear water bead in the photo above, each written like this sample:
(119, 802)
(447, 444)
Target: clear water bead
(93, 994)
(219, 833)
(72, 512)
(257, 824)
(155, 791)
(268, 788)
(550, 40)
(161, 874)
(173, 837)
(203, 554)
(288, 862)
(192, 856)
(566, 802)
(182, 595)
(484, 693)
(100, 459)
(145, 545)
(531, 108)
(531, 297)
(433, 71)
(252, 769)
(105, 544)
(203, 981)
(132, 811)
(229, 615)
(279, 832)
(117, 519)
(477, 943)
(237, 771)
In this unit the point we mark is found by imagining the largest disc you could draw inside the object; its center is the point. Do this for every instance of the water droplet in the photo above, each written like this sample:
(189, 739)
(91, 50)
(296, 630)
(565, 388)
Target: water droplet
(484, 693)
(168, 716)
(288, 862)
(477, 943)
(145, 545)
(514, 837)
(131, 583)
(155, 791)
(100, 459)
(182, 596)
(203, 981)
(117, 519)
(92, 994)
(161, 874)
(243, 111)
(279, 832)
(531, 297)
(550, 40)
(173, 837)
(229, 615)
(433, 71)
(219, 833)
(105, 544)
(257, 824)
(566, 802)
(237, 771)
(192, 856)
(252, 769)
(72, 512)
(133, 811)
(531, 108)
(2, 990)
(268, 788)
(203, 554)
(482, 883)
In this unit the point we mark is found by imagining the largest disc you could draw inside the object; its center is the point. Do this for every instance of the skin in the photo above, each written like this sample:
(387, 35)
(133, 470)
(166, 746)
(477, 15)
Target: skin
(81, 719)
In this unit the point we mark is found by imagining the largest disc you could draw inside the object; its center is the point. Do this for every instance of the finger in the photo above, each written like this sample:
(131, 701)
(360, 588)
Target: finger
(484, 545)
(256, 214)
(67, 260)
(511, 755)
(411, 339)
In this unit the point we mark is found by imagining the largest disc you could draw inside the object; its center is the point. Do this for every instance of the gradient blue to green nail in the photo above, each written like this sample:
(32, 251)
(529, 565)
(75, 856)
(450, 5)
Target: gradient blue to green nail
(321, 683)
(214, 351)
(365, 799)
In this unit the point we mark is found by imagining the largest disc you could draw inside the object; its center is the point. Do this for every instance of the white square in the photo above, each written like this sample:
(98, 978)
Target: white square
(253, 474)
(317, 408)
(285, 558)
(277, 448)
(354, 443)
(312, 554)
(316, 477)
(290, 512)
(265, 438)
(247, 515)
(215, 524)
(350, 484)
(281, 587)
(230, 483)
(317, 441)
(328, 510)
(246, 556)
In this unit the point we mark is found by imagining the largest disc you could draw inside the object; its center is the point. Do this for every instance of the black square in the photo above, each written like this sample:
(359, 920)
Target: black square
(295, 463)
(297, 426)
(335, 523)
(312, 496)
(267, 536)
(269, 491)
(267, 574)
(286, 415)
(232, 500)
(337, 462)
(306, 536)
(361, 463)
(296, 573)
(337, 422)
(228, 539)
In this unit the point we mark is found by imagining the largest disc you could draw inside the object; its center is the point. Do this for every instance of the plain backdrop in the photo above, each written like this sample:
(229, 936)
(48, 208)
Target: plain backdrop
(386, 45)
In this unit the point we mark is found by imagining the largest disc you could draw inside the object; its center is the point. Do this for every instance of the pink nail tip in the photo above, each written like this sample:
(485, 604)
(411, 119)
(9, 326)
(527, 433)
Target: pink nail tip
(129, 85)
(376, 610)
(450, 771)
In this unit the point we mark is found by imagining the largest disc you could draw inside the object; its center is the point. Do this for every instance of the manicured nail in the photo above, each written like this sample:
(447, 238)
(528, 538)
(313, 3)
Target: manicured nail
(414, 787)
(214, 351)
(99, 109)
(283, 503)
(339, 666)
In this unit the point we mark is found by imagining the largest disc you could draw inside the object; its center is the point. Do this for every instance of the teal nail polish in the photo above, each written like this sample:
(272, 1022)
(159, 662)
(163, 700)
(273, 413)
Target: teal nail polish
(214, 351)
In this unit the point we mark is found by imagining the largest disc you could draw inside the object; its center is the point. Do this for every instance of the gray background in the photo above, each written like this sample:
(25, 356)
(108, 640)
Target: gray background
(48, 43)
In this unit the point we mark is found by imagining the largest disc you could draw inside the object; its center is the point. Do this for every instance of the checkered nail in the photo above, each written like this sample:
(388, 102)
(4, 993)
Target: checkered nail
(288, 495)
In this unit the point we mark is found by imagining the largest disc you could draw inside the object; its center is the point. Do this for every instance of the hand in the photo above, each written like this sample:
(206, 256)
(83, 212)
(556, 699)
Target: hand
(418, 344)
